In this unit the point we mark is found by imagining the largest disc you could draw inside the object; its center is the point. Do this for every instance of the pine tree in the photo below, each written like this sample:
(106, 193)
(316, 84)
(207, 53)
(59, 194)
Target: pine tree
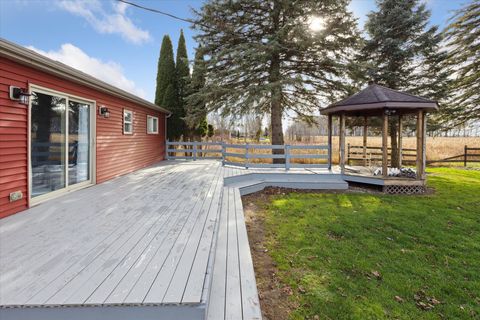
(196, 110)
(173, 122)
(183, 81)
(165, 72)
(210, 130)
(402, 53)
(265, 58)
(463, 36)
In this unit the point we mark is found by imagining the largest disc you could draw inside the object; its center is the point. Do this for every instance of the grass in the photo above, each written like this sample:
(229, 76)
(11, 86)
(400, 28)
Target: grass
(375, 256)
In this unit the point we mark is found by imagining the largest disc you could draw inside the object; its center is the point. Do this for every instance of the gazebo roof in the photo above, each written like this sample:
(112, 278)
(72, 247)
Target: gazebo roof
(375, 98)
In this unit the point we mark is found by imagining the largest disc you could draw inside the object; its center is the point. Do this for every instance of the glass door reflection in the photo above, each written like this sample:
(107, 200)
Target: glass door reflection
(60, 142)
(78, 142)
(48, 132)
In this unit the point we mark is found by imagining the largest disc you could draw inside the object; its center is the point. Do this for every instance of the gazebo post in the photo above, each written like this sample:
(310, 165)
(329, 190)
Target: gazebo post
(400, 130)
(385, 144)
(329, 142)
(342, 142)
(365, 132)
(421, 144)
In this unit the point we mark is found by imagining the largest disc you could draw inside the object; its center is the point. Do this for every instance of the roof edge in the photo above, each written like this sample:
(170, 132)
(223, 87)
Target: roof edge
(427, 106)
(31, 58)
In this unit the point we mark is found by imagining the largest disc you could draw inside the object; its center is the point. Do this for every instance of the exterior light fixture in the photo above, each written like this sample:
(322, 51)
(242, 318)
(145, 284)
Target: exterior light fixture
(103, 111)
(390, 112)
(19, 94)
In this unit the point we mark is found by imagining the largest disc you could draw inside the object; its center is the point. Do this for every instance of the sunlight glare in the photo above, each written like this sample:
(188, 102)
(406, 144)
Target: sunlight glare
(316, 23)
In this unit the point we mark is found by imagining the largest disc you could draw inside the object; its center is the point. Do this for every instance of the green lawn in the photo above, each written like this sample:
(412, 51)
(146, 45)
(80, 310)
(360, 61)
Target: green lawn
(374, 256)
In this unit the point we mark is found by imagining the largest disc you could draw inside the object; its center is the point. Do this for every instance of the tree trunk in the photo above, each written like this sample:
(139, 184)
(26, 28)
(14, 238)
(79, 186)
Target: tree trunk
(276, 108)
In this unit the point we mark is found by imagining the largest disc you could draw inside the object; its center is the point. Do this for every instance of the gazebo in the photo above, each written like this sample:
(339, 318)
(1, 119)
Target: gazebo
(379, 101)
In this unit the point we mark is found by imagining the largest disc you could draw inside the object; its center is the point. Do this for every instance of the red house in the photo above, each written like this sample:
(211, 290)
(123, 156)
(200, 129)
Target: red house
(62, 130)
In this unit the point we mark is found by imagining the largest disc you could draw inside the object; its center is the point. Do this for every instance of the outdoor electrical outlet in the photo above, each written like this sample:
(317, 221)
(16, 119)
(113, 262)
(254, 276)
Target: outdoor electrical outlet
(17, 195)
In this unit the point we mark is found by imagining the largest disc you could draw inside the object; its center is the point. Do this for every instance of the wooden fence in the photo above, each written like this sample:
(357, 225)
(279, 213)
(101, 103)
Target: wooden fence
(373, 154)
(469, 155)
(244, 155)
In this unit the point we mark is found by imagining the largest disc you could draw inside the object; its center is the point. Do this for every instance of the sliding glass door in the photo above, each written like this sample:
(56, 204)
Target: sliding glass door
(78, 142)
(60, 140)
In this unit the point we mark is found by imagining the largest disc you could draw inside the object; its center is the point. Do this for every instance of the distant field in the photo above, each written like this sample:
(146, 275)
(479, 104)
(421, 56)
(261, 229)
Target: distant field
(437, 147)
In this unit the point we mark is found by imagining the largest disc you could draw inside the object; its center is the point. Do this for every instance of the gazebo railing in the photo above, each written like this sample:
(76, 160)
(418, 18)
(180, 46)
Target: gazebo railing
(356, 153)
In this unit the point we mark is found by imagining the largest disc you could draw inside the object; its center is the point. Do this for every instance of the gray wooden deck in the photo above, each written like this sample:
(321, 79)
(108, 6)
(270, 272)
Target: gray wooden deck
(142, 245)
(168, 242)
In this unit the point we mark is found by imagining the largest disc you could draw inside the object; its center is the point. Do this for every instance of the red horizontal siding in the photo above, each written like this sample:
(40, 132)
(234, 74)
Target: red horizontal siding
(116, 153)
(13, 148)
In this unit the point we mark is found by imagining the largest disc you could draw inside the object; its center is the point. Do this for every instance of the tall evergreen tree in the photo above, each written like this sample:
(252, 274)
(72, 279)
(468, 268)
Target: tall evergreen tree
(463, 36)
(165, 71)
(196, 110)
(174, 123)
(183, 82)
(402, 53)
(265, 56)
(166, 94)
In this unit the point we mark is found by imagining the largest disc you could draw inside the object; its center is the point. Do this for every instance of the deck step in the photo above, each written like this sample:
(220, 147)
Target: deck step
(233, 292)
(301, 177)
(257, 182)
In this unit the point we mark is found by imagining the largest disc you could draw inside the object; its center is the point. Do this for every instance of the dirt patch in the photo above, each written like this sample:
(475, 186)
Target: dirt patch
(274, 299)
(353, 188)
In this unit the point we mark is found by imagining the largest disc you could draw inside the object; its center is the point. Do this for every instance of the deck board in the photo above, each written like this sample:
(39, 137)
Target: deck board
(233, 291)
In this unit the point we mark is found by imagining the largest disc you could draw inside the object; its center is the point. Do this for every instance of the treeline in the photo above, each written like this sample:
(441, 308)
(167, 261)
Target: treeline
(175, 89)
(290, 58)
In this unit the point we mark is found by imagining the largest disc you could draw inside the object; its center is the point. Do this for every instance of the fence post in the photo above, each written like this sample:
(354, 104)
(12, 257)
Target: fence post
(167, 154)
(195, 150)
(287, 157)
(223, 154)
(465, 154)
(246, 155)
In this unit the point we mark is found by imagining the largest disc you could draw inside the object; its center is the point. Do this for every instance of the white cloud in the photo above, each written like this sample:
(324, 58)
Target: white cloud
(113, 22)
(109, 71)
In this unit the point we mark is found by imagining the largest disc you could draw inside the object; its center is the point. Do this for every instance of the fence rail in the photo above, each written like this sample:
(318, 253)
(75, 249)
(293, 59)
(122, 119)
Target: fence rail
(469, 155)
(243, 154)
(356, 153)
(409, 156)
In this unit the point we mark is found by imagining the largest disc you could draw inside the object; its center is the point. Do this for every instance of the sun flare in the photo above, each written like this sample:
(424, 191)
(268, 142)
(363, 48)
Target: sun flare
(316, 23)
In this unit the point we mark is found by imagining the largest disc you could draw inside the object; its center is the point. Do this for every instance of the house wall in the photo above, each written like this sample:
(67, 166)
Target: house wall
(116, 153)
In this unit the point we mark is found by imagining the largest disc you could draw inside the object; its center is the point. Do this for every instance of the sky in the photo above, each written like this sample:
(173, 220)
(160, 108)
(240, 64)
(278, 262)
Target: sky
(120, 44)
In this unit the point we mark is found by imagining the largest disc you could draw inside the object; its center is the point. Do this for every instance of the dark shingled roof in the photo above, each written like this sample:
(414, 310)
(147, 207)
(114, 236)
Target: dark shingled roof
(376, 97)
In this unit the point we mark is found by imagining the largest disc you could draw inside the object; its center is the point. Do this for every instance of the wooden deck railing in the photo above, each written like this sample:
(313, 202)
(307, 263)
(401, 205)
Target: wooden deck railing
(194, 150)
(246, 155)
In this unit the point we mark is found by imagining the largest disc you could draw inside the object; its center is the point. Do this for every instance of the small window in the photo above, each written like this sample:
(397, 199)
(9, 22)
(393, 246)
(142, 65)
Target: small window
(152, 125)
(127, 122)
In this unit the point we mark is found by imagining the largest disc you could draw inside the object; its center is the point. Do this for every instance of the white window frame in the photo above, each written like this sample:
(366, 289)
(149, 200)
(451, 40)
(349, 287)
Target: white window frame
(151, 118)
(126, 111)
